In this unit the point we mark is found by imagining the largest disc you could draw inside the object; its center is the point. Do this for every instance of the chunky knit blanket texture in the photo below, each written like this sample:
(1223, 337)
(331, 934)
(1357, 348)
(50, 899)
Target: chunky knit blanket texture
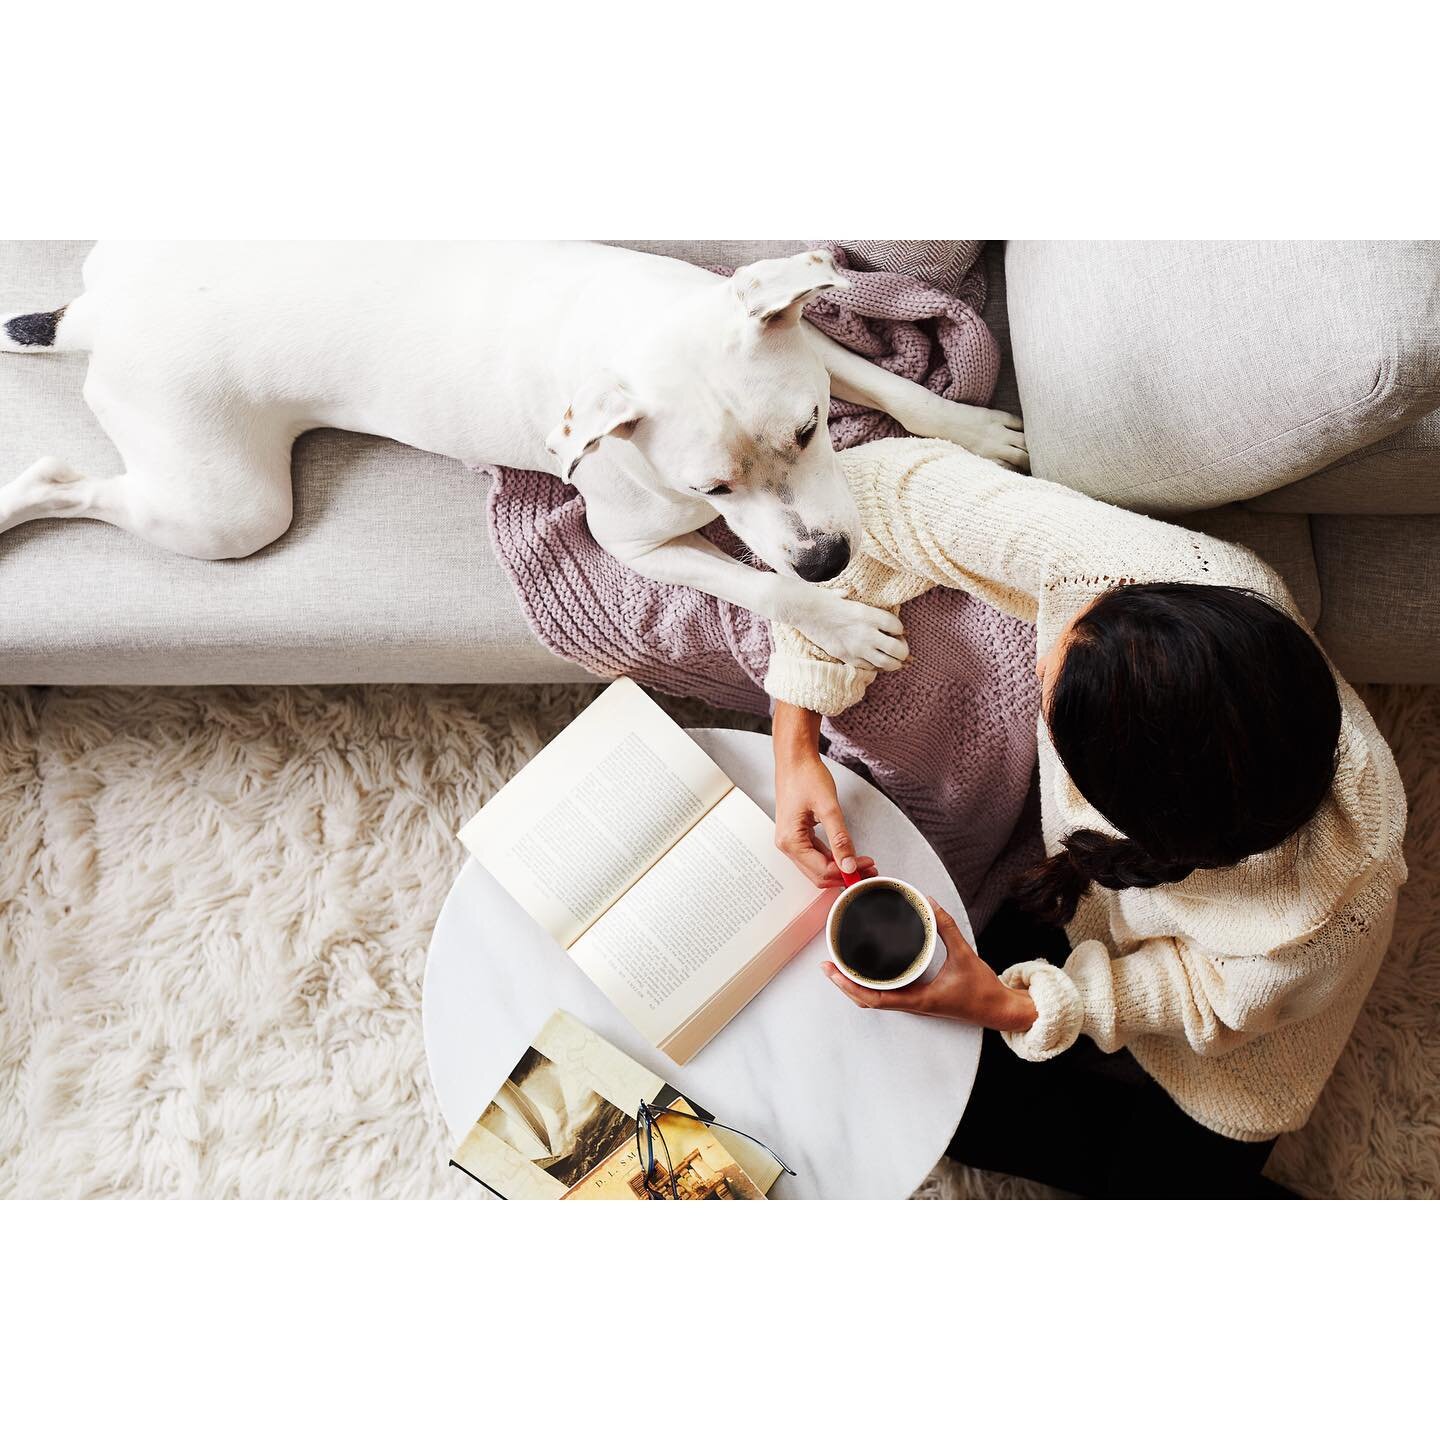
(950, 738)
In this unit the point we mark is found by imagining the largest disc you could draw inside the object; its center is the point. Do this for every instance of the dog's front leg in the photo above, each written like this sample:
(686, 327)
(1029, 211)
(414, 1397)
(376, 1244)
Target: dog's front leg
(858, 634)
(995, 434)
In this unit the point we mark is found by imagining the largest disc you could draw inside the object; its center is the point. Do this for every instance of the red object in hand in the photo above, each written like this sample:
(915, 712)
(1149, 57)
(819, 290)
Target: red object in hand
(851, 877)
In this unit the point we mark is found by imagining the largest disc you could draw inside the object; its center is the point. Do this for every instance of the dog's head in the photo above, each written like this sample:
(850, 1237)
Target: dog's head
(726, 401)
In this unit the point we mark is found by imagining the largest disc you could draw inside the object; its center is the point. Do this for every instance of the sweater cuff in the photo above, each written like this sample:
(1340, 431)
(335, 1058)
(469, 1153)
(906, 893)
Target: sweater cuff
(1061, 1010)
(825, 686)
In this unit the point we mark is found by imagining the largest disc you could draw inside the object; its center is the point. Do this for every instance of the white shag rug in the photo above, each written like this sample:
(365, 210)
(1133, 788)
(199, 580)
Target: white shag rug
(214, 912)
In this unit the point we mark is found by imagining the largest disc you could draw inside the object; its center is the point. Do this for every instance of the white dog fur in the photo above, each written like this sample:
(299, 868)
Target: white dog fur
(684, 395)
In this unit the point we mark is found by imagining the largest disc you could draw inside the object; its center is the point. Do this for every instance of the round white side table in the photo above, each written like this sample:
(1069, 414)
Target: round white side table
(860, 1102)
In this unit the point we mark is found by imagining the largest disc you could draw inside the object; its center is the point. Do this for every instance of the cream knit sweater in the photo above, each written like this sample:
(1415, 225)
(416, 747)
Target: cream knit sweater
(1235, 989)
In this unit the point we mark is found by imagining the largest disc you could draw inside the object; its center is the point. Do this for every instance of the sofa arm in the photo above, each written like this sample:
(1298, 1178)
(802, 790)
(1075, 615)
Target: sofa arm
(1177, 376)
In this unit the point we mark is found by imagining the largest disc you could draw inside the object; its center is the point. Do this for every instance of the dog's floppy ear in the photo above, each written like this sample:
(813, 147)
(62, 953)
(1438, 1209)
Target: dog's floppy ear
(602, 408)
(774, 292)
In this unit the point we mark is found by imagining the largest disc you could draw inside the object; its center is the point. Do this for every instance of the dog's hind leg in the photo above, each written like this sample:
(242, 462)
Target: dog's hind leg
(152, 506)
(219, 496)
(50, 489)
(209, 487)
(995, 434)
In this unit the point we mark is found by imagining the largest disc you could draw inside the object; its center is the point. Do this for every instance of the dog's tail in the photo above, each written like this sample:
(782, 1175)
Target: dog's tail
(42, 330)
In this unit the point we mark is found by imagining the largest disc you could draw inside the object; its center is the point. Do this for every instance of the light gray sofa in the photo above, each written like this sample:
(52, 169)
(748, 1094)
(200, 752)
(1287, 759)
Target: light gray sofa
(1284, 395)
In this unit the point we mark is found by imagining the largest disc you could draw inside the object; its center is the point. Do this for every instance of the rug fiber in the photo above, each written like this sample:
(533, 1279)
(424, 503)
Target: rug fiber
(214, 912)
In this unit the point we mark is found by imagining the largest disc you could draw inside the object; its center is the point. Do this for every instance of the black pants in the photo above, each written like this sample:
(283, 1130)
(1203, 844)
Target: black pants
(1087, 1122)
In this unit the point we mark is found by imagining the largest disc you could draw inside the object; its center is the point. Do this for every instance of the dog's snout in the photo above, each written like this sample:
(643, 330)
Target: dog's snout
(823, 560)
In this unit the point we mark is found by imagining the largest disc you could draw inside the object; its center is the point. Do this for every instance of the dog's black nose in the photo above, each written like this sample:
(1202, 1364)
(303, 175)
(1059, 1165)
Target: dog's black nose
(823, 560)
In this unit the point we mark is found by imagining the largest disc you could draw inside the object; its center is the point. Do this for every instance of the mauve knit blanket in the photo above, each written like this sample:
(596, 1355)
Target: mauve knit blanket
(950, 737)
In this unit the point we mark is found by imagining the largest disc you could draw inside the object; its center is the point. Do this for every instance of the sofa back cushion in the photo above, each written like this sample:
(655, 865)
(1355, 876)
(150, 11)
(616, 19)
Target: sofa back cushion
(1182, 375)
(1399, 475)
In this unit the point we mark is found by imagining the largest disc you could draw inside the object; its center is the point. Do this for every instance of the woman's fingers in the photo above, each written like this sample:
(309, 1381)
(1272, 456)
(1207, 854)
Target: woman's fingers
(815, 860)
(842, 847)
(909, 998)
(805, 799)
(945, 923)
(811, 858)
(866, 999)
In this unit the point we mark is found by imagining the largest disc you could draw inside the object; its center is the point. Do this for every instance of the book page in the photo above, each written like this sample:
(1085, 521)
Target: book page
(696, 919)
(594, 810)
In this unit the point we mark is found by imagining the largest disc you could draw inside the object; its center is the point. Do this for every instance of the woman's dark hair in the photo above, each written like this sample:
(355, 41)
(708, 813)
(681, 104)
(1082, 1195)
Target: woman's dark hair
(1200, 721)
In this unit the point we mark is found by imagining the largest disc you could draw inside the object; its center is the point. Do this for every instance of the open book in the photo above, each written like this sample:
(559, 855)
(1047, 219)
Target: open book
(626, 842)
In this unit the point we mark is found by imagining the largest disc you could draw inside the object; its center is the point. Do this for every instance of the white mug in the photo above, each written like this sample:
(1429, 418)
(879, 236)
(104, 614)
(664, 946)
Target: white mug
(917, 967)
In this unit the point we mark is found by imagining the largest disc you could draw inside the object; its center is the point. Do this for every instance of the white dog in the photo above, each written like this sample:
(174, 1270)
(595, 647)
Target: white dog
(685, 396)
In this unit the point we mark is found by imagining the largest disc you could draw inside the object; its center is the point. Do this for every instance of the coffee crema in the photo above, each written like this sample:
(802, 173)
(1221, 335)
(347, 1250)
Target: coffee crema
(881, 933)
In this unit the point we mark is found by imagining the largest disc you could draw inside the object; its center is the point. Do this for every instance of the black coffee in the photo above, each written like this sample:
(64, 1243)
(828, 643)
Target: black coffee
(881, 934)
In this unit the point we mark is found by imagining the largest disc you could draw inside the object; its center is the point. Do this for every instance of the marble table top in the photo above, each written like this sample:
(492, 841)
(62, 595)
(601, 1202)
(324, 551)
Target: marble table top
(859, 1102)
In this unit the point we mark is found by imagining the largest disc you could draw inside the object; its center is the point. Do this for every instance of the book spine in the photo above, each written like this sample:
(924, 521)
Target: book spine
(688, 1039)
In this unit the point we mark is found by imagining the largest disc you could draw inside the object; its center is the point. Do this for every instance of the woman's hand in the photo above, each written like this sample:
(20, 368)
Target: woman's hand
(966, 988)
(805, 797)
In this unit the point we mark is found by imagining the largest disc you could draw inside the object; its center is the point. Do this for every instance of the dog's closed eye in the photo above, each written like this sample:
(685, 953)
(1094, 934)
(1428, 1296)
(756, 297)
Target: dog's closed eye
(717, 490)
(806, 433)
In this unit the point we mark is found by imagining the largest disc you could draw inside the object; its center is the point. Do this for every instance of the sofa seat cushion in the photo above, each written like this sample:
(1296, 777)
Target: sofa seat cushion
(1380, 575)
(1178, 376)
(1399, 475)
(387, 572)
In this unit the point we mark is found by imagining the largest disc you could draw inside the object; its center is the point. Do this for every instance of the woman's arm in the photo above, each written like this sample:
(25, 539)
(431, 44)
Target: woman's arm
(1018, 542)
(937, 515)
(1166, 986)
(1170, 986)
(805, 797)
(1029, 547)
(965, 988)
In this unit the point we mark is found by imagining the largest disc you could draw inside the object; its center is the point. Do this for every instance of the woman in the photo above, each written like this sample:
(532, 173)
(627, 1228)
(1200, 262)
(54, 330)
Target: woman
(1222, 819)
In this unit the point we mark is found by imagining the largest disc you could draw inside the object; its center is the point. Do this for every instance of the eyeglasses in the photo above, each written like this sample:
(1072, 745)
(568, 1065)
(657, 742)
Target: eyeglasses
(659, 1178)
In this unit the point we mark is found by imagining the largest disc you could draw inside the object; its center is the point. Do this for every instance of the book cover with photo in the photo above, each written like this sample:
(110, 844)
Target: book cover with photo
(637, 854)
(567, 1109)
(691, 1164)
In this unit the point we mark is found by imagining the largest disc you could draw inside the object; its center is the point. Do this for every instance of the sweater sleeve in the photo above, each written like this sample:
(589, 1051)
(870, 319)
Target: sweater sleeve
(937, 511)
(1035, 550)
(801, 673)
(1024, 545)
(1168, 986)
(930, 511)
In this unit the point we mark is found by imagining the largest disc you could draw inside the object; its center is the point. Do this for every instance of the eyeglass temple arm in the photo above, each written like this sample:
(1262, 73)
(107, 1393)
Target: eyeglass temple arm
(720, 1124)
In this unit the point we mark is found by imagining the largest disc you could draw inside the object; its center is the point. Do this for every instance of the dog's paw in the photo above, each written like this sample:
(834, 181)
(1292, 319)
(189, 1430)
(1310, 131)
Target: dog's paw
(994, 434)
(857, 634)
(45, 472)
(1001, 437)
